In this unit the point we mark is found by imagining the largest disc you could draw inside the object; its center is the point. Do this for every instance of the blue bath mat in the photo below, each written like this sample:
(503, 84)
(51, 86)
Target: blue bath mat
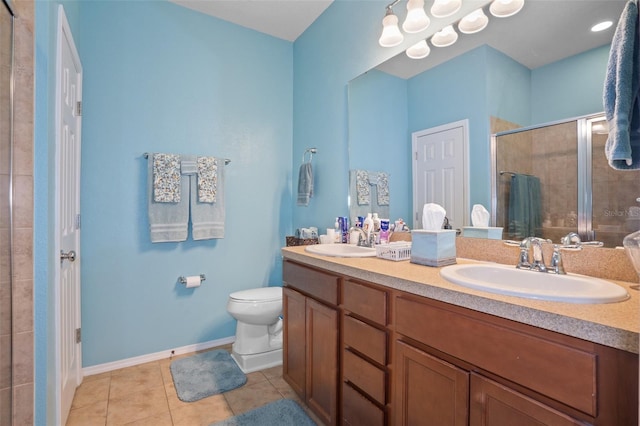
(206, 374)
(283, 412)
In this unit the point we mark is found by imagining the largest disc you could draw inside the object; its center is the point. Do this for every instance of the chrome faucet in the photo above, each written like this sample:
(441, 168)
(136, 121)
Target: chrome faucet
(538, 256)
(364, 240)
(524, 260)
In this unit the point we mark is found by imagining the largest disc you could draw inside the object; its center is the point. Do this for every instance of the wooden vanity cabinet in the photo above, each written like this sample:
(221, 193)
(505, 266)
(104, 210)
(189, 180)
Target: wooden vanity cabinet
(453, 366)
(311, 321)
(364, 354)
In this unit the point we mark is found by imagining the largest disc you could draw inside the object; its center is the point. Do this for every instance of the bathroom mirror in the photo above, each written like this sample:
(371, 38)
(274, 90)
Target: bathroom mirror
(489, 77)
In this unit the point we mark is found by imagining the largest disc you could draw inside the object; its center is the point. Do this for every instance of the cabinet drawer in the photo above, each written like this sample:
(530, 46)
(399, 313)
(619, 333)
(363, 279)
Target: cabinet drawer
(365, 301)
(317, 284)
(364, 375)
(365, 339)
(513, 354)
(357, 410)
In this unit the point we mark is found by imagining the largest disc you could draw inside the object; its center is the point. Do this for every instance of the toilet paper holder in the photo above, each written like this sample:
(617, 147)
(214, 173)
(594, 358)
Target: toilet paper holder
(183, 279)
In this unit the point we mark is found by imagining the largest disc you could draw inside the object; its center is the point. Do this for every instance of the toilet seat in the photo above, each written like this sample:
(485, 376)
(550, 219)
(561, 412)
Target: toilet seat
(262, 294)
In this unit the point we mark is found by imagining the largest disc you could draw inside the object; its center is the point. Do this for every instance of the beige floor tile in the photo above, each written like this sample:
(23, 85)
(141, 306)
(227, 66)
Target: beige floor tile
(89, 415)
(135, 379)
(284, 388)
(93, 377)
(90, 392)
(138, 405)
(253, 396)
(272, 372)
(203, 412)
(163, 419)
(254, 378)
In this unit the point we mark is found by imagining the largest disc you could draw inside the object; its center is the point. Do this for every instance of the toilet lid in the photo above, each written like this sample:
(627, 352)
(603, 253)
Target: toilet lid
(263, 294)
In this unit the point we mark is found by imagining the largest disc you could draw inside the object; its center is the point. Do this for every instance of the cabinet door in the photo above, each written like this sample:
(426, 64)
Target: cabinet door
(294, 369)
(428, 390)
(493, 404)
(322, 361)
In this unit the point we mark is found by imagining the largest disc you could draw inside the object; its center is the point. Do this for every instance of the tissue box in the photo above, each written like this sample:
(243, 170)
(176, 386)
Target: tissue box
(433, 248)
(489, 232)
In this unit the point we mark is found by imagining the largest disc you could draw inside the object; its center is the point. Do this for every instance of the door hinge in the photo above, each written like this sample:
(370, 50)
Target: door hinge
(78, 221)
(78, 335)
(415, 155)
(79, 108)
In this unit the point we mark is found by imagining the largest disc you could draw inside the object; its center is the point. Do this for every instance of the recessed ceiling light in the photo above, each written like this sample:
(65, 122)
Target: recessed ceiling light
(601, 26)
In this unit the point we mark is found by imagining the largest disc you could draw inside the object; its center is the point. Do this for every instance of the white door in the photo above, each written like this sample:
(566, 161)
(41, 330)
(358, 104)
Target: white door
(440, 172)
(68, 125)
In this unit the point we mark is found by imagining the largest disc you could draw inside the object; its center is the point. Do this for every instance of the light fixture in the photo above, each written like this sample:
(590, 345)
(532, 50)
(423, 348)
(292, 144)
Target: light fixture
(505, 8)
(419, 50)
(474, 22)
(444, 8)
(601, 26)
(416, 20)
(391, 35)
(445, 37)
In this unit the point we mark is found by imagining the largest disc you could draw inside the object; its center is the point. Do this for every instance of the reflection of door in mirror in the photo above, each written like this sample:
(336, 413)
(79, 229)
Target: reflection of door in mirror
(578, 191)
(439, 171)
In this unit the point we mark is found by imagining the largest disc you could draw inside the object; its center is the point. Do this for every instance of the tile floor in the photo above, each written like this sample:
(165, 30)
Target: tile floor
(144, 395)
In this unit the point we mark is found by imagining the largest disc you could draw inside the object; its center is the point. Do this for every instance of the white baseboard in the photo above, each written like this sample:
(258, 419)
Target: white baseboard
(129, 362)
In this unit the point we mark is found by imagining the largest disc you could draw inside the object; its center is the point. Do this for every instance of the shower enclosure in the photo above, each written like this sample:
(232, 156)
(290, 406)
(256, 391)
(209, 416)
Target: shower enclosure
(6, 120)
(578, 191)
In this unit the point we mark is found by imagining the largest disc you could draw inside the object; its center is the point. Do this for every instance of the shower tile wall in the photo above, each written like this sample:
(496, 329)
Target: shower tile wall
(22, 250)
(550, 154)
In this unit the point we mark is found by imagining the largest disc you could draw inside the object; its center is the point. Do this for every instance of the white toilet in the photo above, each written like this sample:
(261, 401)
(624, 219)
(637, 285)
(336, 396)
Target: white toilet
(258, 342)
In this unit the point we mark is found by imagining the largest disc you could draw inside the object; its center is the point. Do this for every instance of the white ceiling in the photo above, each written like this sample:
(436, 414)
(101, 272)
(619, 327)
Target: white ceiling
(285, 19)
(544, 31)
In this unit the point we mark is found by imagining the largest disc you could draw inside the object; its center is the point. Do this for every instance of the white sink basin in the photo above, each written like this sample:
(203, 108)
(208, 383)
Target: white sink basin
(502, 279)
(341, 250)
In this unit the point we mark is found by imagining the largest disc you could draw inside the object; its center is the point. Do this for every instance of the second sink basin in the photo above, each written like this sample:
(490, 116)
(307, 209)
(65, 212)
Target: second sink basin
(502, 279)
(341, 250)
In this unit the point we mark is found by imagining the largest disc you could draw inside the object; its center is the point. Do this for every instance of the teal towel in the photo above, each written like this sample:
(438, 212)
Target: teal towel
(305, 184)
(525, 209)
(621, 89)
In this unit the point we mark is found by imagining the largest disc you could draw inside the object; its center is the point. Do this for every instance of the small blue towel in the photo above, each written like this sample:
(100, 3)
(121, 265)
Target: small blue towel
(207, 218)
(621, 103)
(305, 184)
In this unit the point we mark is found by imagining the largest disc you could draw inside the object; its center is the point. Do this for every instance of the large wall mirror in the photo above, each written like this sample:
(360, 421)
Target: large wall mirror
(539, 66)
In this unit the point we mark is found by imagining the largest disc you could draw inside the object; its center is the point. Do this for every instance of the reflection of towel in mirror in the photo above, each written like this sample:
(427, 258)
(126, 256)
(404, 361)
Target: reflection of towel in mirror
(376, 195)
(305, 184)
(621, 93)
(168, 221)
(525, 209)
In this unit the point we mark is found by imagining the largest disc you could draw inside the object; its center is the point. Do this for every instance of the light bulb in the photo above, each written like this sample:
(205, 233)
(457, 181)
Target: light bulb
(444, 8)
(391, 35)
(445, 37)
(505, 8)
(416, 20)
(419, 50)
(474, 22)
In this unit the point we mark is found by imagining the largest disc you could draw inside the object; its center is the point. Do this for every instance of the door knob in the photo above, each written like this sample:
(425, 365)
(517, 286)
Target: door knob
(71, 255)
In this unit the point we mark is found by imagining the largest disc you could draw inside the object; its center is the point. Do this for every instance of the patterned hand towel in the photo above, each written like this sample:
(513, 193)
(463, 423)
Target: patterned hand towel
(168, 220)
(621, 97)
(207, 218)
(207, 179)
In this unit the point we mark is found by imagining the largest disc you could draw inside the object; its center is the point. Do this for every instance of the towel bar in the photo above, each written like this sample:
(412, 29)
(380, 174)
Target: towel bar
(183, 279)
(226, 160)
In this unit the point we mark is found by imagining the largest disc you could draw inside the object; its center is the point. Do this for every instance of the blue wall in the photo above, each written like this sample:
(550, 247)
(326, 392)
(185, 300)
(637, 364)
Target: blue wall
(163, 82)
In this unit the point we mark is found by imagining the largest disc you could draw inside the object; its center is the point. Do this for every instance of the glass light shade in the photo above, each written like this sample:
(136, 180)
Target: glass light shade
(601, 26)
(474, 22)
(419, 50)
(505, 8)
(445, 37)
(631, 245)
(444, 8)
(391, 35)
(417, 19)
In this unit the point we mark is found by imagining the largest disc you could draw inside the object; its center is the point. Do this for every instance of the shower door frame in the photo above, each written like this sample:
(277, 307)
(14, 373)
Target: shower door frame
(584, 177)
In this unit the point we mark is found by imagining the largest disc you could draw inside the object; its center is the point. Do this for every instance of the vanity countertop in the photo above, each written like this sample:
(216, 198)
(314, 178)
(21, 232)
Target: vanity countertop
(611, 324)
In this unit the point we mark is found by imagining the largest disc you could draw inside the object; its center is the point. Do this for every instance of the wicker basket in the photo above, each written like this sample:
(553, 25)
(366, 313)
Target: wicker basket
(400, 250)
